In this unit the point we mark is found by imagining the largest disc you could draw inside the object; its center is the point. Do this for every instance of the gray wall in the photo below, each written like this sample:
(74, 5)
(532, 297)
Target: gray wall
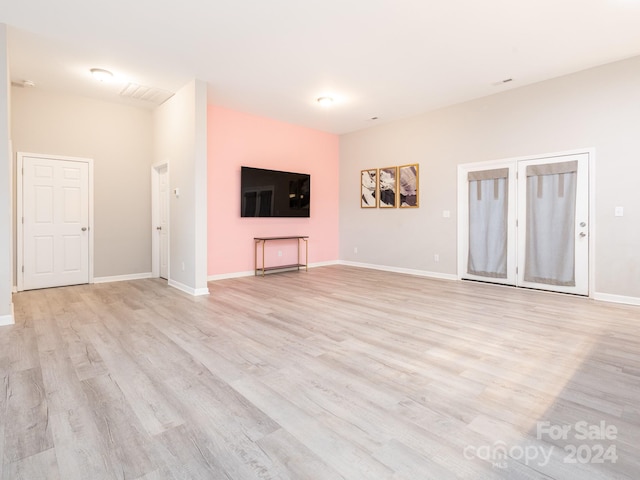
(597, 108)
(120, 140)
(180, 139)
(6, 262)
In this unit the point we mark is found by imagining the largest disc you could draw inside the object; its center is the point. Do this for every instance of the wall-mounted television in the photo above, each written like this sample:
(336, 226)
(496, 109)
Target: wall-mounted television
(272, 193)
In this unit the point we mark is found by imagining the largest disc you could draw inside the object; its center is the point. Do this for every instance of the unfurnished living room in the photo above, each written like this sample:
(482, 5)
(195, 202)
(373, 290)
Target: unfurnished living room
(319, 240)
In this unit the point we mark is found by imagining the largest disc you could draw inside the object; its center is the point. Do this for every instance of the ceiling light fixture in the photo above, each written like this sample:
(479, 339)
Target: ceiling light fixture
(101, 74)
(325, 101)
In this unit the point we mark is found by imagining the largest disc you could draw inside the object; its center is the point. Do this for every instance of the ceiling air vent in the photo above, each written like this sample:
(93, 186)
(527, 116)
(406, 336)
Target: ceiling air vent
(148, 94)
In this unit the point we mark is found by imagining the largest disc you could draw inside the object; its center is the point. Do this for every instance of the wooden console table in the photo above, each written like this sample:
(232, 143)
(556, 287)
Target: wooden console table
(263, 240)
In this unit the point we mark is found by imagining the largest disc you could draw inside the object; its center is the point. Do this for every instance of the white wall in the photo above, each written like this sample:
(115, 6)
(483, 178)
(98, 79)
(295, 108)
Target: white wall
(120, 140)
(6, 257)
(597, 108)
(180, 131)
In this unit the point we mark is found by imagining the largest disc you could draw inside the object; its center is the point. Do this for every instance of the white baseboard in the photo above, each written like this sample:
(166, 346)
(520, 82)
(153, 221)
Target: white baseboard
(324, 264)
(7, 319)
(122, 278)
(408, 271)
(251, 273)
(226, 276)
(196, 292)
(608, 297)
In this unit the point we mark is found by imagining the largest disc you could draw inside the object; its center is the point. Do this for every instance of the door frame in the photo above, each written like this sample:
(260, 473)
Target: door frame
(463, 169)
(155, 219)
(20, 210)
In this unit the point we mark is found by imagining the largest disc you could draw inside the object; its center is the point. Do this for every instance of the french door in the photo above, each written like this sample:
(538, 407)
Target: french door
(525, 223)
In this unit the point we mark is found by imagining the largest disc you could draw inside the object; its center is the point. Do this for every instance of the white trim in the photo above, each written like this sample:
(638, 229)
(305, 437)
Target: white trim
(20, 213)
(196, 292)
(592, 221)
(408, 271)
(123, 278)
(488, 163)
(608, 297)
(251, 273)
(8, 319)
(324, 264)
(227, 276)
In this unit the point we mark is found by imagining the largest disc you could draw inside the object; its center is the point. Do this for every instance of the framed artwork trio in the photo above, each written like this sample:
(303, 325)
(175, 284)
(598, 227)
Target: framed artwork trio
(390, 187)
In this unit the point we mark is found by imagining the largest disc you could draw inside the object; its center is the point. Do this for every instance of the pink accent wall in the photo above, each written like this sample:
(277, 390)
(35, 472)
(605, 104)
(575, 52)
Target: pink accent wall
(238, 139)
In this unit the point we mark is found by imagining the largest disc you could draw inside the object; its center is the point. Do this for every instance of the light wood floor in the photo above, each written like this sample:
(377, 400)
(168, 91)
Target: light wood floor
(336, 373)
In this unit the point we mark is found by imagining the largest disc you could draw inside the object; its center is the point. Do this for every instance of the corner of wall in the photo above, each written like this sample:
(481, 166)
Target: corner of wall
(6, 184)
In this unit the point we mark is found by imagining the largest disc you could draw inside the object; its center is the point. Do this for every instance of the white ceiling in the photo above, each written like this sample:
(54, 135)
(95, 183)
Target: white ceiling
(378, 58)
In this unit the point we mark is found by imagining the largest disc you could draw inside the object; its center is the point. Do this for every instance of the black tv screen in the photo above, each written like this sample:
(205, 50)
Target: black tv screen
(272, 193)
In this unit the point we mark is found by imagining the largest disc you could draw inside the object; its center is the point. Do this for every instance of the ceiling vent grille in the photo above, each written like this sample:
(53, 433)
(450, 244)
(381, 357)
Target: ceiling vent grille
(147, 94)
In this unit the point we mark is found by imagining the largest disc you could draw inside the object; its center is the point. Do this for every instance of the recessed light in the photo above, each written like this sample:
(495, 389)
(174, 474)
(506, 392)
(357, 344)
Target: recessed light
(325, 101)
(101, 74)
(502, 82)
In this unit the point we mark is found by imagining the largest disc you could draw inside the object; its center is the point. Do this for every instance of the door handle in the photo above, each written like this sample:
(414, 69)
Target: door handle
(158, 228)
(84, 229)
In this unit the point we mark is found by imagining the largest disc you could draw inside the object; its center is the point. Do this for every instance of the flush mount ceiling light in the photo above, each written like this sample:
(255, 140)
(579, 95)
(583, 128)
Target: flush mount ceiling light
(325, 101)
(101, 74)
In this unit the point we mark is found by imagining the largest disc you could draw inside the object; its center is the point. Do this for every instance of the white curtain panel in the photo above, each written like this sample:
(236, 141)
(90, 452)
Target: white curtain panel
(488, 202)
(551, 213)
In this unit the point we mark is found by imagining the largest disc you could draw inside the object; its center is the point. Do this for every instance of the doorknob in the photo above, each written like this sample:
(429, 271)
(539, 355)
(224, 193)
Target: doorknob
(84, 229)
(158, 228)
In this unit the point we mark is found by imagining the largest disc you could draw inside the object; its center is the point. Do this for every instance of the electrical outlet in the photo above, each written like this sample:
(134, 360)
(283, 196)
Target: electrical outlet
(355, 250)
(279, 253)
(436, 257)
(183, 266)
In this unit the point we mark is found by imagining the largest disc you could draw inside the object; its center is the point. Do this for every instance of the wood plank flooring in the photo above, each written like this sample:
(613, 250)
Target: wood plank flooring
(336, 373)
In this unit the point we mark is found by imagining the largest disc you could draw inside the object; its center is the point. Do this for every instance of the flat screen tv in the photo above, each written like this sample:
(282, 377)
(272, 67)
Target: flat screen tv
(272, 193)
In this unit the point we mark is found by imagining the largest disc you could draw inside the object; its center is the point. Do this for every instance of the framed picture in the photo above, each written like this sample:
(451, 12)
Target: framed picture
(387, 187)
(369, 188)
(408, 186)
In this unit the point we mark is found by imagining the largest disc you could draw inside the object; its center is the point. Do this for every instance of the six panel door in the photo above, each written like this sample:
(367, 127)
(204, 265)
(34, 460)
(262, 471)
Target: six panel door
(56, 222)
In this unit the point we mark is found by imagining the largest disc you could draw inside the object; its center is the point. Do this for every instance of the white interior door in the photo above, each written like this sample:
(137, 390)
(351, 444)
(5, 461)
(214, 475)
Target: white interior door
(525, 223)
(163, 221)
(55, 216)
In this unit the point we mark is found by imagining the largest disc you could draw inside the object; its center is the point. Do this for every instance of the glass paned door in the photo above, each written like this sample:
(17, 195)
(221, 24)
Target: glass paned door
(488, 251)
(525, 223)
(553, 237)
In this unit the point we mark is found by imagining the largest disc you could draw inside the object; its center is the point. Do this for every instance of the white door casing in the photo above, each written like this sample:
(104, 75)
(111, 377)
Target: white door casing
(517, 220)
(163, 222)
(55, 233)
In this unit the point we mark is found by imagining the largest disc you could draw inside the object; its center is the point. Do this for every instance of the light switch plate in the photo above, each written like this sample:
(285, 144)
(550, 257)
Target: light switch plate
(619, 212)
